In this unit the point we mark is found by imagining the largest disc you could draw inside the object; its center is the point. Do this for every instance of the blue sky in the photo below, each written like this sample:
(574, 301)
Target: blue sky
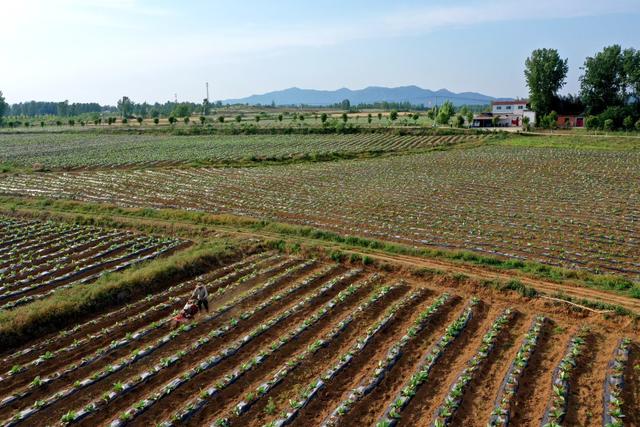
(99, 50)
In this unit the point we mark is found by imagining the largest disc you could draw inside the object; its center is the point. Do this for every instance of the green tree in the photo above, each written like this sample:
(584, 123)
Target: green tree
(369, 118)
(379, 116)
(206, 107)
(72, 122)
(393, 115)
(280, 117)
(323, 118)
(526, 125)
(139, 119)
(469, 117)
(182, 110)
(345, 117)
(415, 117)
(125, 106)
(627, 123)
(458, 121)
(638, 125)
(172, 120)
(124, 121)
(603, 83)
(301, 117)
(156, 120)
(3, 107)
(257, 119)
(592, 122)
(202, 119)
(221, 119)
(631, 60)
(495, 120)
(445, 113)
(186, 120)
(345, 105)
(238, 118)
(545, 73)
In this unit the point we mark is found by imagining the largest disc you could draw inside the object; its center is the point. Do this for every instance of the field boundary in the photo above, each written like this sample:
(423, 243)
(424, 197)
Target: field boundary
(602, 292)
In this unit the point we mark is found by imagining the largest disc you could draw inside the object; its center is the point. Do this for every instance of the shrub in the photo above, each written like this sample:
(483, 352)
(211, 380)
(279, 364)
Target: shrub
(638, 125)
(221, 119)
(393, 115)
(156, 120)
(592, 123)
(608, 124)
(186, 120)
(125, 121)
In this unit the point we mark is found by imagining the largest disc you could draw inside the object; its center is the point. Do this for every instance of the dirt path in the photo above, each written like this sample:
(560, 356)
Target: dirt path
(478, 272)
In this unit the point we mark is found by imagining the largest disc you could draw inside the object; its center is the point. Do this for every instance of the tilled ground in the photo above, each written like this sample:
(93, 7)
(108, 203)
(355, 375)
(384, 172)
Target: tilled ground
(289, 340)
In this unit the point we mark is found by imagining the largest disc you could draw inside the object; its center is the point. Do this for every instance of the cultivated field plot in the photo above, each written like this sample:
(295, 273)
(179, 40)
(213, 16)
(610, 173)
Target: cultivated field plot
(304, 342)
(572, 208)
(39, 258)
(55, 151)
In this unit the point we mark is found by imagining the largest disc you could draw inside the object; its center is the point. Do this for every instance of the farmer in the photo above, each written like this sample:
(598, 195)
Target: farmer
(201, 295)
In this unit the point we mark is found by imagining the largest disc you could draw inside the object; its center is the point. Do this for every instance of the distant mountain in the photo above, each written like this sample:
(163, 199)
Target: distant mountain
(413, 94)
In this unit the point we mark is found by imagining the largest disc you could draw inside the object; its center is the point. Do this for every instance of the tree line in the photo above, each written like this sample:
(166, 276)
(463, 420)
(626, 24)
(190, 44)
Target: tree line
(609, 93)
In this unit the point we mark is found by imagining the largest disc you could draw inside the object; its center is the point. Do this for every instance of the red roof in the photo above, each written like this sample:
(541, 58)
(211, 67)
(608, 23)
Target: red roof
(516, 102)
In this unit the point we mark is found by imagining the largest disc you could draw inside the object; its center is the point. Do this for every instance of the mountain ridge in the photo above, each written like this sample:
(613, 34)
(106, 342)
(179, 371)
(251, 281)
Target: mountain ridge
(369, 95)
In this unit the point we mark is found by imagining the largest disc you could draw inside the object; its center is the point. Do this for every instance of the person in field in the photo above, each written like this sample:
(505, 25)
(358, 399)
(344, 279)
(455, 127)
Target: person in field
(201, 295)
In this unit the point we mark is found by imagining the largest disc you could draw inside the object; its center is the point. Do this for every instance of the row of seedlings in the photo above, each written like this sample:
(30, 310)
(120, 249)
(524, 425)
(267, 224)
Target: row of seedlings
(209, 362)
(444, 414)
(557, 408)
(25, 264)
(232, 349)
(128, 261)
(614, 384)
(215, 388)
(254, 396)
(77, 267)
(137, 335)
(501, 414)
(401, 401)
(134, 356)
(369, 383)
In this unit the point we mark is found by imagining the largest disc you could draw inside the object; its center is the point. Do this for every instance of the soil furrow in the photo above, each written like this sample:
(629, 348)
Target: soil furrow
(372, 406)
(360, 366)
(478, 402)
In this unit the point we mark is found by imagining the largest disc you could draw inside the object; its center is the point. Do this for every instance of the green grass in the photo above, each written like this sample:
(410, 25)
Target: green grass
(582, 142)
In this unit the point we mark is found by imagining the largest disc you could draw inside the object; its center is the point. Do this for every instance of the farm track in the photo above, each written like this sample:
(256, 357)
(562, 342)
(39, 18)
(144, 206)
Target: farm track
(278, 324)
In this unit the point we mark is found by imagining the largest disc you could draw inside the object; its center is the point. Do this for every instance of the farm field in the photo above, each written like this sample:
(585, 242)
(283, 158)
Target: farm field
(90, 150)
(295, 340)
(39, 258)
(567, 207)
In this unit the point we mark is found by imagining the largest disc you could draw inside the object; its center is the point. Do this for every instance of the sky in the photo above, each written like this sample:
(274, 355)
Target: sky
(100, 50)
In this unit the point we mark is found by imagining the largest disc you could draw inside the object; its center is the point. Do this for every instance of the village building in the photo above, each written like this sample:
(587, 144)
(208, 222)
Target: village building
(505, 113)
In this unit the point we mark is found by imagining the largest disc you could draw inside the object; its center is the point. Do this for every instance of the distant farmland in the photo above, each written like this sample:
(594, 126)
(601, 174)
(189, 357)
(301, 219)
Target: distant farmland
(88, 150)
(566, 207)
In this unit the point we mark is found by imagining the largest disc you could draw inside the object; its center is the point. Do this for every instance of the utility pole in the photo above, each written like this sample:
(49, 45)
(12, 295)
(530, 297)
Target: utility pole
(175, 97)
(207, 91)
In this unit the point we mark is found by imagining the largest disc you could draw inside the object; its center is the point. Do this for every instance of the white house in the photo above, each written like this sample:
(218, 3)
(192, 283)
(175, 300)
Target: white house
(509, 114)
